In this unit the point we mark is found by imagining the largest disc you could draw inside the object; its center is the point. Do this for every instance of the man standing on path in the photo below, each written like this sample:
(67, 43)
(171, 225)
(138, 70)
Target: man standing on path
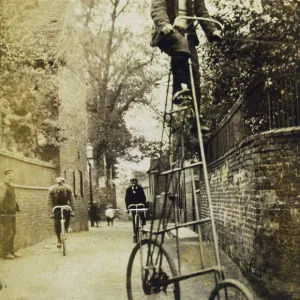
(60, 194)
(8, 209)
(135, 195)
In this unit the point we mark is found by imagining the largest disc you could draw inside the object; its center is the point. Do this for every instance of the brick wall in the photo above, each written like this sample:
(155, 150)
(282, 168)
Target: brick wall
(48, 32)
(255, 188)
(72, 117)
(73, 163)
(32, 179)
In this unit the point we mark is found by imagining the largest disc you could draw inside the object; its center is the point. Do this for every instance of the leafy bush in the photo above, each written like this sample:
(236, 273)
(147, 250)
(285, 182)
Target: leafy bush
(29, 101)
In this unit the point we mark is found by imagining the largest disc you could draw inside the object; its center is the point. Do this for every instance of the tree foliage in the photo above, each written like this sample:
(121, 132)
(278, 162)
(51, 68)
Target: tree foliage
(122, 69)
(256, 45)
(28, 100)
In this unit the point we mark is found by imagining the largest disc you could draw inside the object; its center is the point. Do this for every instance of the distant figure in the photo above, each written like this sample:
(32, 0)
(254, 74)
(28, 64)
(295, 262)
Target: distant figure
(135, 195)
(110, 214)
(8, 209)
(60, 194)
(95, 215)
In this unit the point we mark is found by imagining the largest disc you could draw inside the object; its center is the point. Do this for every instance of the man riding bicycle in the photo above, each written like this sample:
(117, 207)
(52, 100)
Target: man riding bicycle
(60, 194)
(135, 195)
(172, 41)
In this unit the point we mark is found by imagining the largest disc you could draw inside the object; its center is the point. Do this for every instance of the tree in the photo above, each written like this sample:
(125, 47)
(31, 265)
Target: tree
(122, 69)
(255, 45)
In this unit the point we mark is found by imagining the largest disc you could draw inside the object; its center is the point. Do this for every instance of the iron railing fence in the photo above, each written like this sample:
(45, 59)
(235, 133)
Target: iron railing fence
(272, 103)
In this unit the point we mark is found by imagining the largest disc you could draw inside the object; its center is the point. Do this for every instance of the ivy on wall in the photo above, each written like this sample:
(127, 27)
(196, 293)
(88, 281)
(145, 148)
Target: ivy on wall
(29, 101)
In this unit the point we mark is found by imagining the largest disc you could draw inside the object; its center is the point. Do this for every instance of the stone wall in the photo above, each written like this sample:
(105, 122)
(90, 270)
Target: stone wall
(32, 179)
(255, 188)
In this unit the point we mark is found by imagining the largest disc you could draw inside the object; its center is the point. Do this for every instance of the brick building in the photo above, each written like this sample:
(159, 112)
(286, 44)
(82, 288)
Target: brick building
(48, 34)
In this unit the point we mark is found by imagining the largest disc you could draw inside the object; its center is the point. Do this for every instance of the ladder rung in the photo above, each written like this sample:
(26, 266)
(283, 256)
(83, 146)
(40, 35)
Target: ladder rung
(198, 191)
(177, 110)
(181, 168)
(193, 274)
(188, 224)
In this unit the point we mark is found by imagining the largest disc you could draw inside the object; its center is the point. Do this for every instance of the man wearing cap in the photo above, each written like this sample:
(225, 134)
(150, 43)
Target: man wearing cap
(60, 194)
(135, 195)
(8, 209)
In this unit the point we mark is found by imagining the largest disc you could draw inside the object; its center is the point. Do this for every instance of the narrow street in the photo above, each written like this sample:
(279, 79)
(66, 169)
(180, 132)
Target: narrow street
(93, 269)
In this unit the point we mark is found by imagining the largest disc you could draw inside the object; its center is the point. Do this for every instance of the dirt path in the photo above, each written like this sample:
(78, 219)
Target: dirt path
(94, 268)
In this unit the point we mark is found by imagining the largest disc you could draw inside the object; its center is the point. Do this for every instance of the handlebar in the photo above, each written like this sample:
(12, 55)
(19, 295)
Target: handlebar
(63, 207)
(136, 207)
(197, 19)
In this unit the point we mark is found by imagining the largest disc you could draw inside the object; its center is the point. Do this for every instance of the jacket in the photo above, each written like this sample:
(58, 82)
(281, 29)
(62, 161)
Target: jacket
(164, 12)
(5, 206)
(135, 197)
(65, 198)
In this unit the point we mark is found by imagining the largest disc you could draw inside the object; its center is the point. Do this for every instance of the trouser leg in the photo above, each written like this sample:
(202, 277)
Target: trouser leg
(57, 227)
(177, 46)
(67, 217)
(12, 236)
(8, 232)
(180, 71)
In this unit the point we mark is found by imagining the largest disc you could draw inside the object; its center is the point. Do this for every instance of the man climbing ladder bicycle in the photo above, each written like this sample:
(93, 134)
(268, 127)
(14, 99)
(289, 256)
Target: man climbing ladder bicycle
(172, 41)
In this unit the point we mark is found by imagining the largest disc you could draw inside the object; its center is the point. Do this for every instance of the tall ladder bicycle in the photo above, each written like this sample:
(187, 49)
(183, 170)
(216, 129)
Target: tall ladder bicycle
(151, 271)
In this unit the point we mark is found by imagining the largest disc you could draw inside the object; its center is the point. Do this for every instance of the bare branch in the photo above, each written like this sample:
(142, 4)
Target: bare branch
(122, 9)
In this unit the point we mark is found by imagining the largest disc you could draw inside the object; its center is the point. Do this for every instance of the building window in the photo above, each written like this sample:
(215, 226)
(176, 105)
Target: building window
(65, 174)
(81, 183)
(74, 183)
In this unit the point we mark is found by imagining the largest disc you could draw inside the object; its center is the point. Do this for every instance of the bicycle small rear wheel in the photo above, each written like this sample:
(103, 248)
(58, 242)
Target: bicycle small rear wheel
(231, 289)
(144, 281)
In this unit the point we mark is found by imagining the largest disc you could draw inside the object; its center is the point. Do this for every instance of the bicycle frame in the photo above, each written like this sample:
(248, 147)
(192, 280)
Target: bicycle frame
(62, 223)
(197, 19)
(139, 208)
(170, 204)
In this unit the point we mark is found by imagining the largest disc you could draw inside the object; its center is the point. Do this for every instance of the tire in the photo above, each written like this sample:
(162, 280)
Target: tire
(146, 288)
(230, 289)
(136, 229)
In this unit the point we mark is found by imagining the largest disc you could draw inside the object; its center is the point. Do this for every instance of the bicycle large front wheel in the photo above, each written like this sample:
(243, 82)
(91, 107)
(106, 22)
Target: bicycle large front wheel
(149, 269)
(230, 289)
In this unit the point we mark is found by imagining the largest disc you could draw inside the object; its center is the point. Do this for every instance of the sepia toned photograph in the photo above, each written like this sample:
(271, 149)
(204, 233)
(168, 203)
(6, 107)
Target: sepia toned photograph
(149, 149)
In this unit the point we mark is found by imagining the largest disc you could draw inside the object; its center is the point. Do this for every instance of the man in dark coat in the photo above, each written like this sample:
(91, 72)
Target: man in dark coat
(60, 194)
(135, 195)
(8, 209)
(172, 41)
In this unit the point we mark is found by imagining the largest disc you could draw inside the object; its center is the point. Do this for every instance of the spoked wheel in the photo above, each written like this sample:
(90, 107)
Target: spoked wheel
(137, 225)
(230, 290)
(149, 268)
